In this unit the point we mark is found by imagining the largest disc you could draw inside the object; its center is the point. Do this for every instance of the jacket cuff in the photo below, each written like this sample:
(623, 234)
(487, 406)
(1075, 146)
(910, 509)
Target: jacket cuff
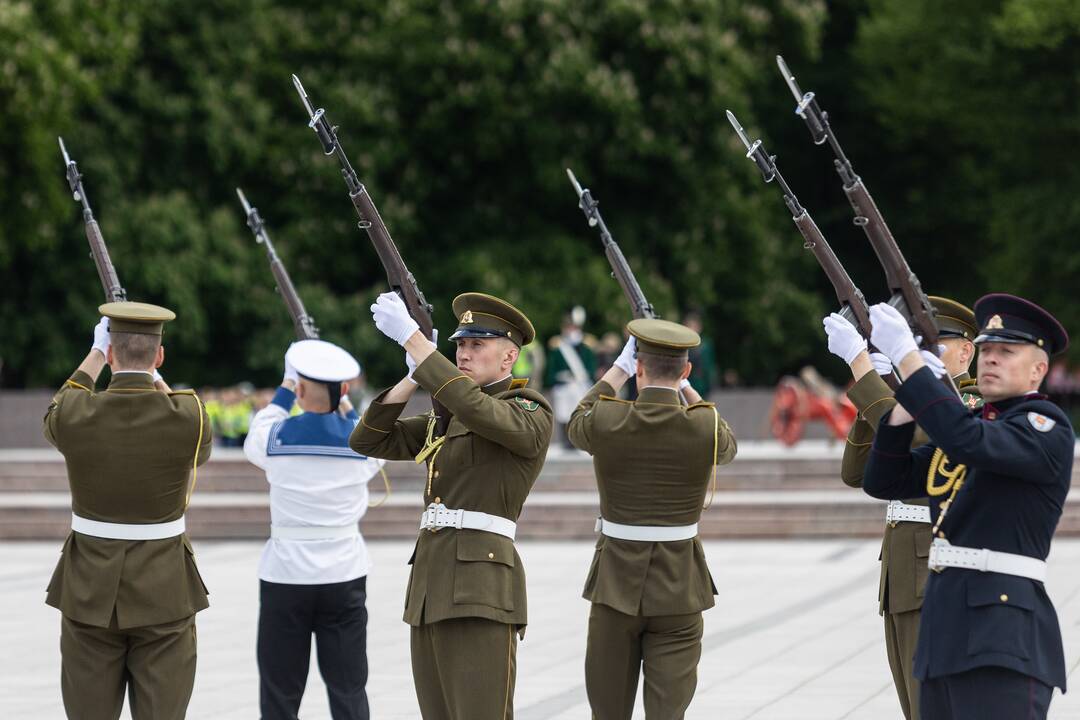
(893, 440)
(284, 398)
(872, 397)
(437, 372)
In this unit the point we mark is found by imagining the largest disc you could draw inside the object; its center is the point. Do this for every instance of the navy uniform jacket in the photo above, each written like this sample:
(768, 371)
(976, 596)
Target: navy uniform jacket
(1019, 457)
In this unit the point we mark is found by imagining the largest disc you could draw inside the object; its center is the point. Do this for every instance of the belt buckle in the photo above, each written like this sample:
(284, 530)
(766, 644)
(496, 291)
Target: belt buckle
(430, 516)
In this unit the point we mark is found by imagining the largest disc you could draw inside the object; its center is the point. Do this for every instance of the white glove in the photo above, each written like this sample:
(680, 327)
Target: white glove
(881, 364)
(157, 376)
(392, 318)
(844, 340)
(891, 333)
(934, 363)
(627, 360)
(290, 371)
(684, 383)
(101, 337)
(411, 364)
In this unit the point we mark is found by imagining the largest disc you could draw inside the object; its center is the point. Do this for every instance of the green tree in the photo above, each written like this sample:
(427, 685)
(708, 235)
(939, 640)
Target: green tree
(459, 117)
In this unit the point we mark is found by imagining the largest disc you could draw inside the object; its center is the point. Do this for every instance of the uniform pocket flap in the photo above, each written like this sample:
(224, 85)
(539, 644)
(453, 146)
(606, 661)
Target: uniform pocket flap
(996, 589)
(478, 546)
(457, 430)
(922, 543)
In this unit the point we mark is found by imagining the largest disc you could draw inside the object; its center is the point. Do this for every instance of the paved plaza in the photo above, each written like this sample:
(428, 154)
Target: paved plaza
(794, 634)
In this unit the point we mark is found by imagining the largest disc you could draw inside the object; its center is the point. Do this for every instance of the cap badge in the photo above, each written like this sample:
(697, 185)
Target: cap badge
(466, 317)
(995, 323)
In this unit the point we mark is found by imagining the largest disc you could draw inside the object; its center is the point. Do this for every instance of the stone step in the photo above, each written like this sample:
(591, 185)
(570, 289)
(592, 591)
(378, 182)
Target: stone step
(757, 466)
(547, 515)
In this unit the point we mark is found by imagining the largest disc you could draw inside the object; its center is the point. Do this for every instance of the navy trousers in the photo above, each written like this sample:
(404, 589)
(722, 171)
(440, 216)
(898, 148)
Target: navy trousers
(288, 616)
(986, 693)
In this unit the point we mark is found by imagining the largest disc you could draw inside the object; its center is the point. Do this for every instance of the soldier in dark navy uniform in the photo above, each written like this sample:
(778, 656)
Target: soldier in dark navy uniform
(989, 643)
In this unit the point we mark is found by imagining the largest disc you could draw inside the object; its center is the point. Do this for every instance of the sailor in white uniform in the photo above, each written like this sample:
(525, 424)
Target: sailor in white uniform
(313, 571)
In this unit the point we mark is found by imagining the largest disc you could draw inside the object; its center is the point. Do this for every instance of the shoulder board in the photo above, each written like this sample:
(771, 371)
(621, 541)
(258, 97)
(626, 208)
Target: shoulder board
(611, 398)
(703, 403)
(967, 384)
(73, 384)
(182, 392)
(519, 383)
(1041, 406)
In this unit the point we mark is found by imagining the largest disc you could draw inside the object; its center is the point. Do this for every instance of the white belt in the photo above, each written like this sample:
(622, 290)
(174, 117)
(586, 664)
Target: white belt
(313, 532)
(438, 516)
(943, 555)
(646, 533)
(902, 512)
(127, 531)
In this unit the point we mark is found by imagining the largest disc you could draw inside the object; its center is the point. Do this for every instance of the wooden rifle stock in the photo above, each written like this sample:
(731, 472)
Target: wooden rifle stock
(397, 274)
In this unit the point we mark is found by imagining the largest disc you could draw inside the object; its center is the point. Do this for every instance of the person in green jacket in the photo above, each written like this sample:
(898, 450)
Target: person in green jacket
(466, 600)
(649, 581)
(126, 584)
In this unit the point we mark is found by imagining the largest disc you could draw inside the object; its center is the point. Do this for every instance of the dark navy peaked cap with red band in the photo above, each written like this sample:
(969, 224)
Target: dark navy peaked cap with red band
(1010, 319)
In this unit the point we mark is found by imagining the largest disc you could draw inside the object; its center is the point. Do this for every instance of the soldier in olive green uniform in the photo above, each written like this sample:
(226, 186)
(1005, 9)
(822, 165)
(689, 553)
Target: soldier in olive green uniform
(126, 582)
(466, 594)
(649, 581)
(906, 545)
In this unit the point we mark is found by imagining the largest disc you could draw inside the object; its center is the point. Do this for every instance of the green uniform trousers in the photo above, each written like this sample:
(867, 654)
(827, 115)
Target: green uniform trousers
(901, 637)
(464, 669)
(666, 648)
(155, 664)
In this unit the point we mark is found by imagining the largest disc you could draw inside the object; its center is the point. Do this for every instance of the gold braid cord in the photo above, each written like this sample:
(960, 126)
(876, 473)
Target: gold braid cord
(198, 445)
(955, 480)
(715, 456)
(386, 484)
(432, 448)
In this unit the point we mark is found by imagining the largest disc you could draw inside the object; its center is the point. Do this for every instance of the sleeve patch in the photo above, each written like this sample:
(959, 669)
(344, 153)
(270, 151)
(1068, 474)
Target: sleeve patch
(527, 404)
(1041, 422)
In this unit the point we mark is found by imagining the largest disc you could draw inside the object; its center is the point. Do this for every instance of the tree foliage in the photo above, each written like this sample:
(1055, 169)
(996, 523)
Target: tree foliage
(460, 117)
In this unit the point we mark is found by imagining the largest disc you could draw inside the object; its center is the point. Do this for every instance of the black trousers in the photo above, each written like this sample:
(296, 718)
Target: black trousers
(985, 693)
(337, 615)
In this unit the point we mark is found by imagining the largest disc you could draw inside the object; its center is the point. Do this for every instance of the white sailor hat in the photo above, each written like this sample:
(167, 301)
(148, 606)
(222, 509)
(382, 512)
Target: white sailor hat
(322, 361)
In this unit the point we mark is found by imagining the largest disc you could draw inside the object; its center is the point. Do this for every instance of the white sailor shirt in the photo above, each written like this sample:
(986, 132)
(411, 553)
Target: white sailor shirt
(315, 479)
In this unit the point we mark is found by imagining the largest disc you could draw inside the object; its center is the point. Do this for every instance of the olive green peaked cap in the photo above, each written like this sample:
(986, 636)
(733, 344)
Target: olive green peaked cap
(954, 319)
(136, 317)
(486, 316)
(663, 337)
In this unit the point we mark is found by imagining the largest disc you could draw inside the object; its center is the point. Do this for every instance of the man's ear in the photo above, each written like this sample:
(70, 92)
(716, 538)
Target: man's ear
(109, 357)
(686, 370)
(344, 389)
(301, 390)
(160, 357)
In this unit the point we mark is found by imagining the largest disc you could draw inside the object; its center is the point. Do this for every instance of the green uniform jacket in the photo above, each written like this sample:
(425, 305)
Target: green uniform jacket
(906, 546)
(495, 446)
(129, 452)
(653, 460)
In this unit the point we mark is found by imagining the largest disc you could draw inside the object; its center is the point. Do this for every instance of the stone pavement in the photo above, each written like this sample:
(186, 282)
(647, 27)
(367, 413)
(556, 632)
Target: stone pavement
(794, 634)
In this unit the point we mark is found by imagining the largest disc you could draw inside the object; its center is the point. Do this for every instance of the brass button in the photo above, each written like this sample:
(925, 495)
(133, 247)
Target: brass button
(991, 416)
(491, 556)
(1004, 597)
(438, 499)
(435, 474)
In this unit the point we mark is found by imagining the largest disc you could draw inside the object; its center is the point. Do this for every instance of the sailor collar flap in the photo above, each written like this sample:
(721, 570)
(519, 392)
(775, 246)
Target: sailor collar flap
(320, 434)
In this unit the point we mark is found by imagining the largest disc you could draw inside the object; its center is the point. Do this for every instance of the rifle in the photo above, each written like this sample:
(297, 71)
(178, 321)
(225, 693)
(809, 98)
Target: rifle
(640, 307)
(110, 282)
(398, 276)
(853, 305)
(304, 323)
(905, 292)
